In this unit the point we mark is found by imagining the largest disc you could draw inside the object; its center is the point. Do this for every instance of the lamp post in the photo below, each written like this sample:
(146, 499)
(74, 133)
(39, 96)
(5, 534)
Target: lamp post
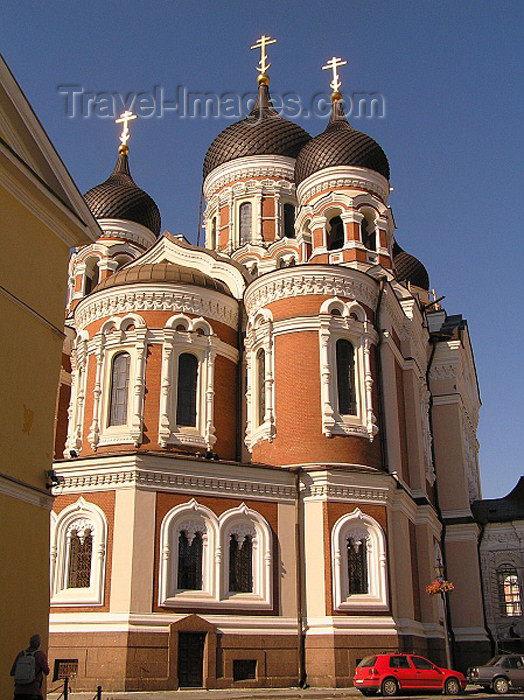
(439, 569)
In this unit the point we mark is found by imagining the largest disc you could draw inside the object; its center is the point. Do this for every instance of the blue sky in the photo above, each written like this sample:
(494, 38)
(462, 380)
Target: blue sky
(451, 74)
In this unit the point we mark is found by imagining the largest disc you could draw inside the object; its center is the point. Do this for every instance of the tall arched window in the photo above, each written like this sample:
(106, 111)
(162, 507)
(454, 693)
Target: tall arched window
(335, 237)
(80, 552)
(357, 565)
(509, 591)
(289, 221)
(368, 234)
(119, 389)
(186, 410)
(261, 386)
(91, 275)
(189, 561)
(213, 236)
(246, 222)
(347, 398)
(240, 564)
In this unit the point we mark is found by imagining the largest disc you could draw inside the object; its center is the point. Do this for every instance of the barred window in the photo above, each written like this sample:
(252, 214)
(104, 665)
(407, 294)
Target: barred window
(357, 565)
(186, 412)
(246, 222)
(289, 221)
(347, 399)
(240, 565)
(261, 386)
(80, 552)
(190, 561)
(119, 389)
(509, 591)
(335, 238)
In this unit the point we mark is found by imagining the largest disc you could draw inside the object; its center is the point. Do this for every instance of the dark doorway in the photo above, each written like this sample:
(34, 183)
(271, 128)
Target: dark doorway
(191, 659)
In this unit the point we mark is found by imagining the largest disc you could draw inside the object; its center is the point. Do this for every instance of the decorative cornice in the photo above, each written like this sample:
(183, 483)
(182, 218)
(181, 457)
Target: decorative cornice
(343, 176)
(270, 166)
(13, 488)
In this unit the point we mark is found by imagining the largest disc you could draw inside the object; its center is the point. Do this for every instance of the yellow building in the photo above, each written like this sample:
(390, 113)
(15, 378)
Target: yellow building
(42, 215)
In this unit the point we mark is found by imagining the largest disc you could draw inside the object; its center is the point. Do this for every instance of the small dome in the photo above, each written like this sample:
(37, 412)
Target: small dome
(263, 132)
(340, 144)
(409, 269)
(119, 197)
(162, 272)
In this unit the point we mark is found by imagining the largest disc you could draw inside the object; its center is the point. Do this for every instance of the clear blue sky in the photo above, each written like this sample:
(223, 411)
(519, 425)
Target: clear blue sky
(452, 77)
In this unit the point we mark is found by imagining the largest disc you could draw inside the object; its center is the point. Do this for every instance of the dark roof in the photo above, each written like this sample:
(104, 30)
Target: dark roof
(263, 132)
(492, 510)
(340, 144)
(409, 269)
(119, 197)
(161, 272)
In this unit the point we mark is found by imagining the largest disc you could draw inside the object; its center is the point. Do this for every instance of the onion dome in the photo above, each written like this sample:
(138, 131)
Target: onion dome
(263, 132)
(340, 144)
(151, 273)
(409, 269)
(119, 197)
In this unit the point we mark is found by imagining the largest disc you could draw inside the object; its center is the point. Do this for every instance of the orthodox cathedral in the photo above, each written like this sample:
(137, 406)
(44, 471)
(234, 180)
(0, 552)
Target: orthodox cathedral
(266, 447)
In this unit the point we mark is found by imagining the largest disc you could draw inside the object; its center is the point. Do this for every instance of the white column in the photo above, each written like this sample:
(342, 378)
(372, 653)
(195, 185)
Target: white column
(94, 433)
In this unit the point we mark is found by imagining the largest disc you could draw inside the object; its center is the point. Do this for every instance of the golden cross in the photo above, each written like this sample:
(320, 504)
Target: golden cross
(124, 119)
(333, 64)
(261, 44)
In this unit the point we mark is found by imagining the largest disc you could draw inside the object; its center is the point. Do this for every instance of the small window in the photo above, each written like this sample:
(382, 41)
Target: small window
(240, 564)
(244, 669)
(190, 561)
(246, 222)
(213, 236)
(80, 552)
(335, 237)
(119, 389)
(65, 668)
(261, 386)
(347, 398)
(509, 592)
(368, 234)
(91, 276)
(186, 412)
(357, 566)
(399, 662)
(289, 221)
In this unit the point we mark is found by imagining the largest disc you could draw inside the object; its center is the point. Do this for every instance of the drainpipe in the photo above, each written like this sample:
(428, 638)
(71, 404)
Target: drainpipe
(301, 642)
(380, 387)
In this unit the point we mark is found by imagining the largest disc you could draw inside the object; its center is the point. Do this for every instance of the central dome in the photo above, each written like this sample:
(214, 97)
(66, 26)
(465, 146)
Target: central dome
(263, 132)
(340, 144)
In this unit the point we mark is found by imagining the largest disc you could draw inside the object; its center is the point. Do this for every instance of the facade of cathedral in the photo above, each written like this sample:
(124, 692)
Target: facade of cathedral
(268, 443)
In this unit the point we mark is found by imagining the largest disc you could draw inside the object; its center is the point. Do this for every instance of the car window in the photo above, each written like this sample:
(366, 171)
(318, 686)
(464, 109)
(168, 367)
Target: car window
(421, 663)
(494, 661)
(399, 662)
(367, 662)
(512, 662)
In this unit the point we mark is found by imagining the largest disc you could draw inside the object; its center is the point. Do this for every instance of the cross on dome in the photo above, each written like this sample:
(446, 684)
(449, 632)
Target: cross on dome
(124, 119)
(261, 44)
(332, 65)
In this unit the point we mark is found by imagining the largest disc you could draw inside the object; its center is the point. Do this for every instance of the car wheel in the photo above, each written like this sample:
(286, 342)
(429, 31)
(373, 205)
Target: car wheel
(389, 687)
(451, 686)
(501, 685)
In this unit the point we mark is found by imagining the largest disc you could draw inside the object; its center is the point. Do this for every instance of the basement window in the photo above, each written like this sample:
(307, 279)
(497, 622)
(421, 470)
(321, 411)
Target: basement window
(65, 668)
(244, 669)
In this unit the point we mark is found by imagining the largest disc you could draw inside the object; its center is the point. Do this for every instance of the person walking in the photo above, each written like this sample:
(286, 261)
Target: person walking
(28, 670)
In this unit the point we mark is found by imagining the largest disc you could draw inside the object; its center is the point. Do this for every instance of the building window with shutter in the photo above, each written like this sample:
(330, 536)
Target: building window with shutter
(186, 411)
(240, 564)
(119, 389)
(347, 396)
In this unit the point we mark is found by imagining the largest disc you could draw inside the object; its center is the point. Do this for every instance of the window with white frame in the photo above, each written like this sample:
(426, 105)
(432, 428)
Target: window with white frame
(245, 215)
(335, 233)
(368, 232)
(289, 220)
(345, 339)
(358, 552)
(78, 553)
(213, 234)
(260, 394)
(215, 561)
(119, 388)
(187, 396)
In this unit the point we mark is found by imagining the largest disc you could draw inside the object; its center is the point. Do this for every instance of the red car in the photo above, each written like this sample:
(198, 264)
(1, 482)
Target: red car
(392, 673)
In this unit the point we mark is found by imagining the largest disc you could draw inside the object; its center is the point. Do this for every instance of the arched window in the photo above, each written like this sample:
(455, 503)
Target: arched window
(91, 276)
(261, 386)
(186, 410)
(246, 222)
(80, 552)
(509, 591)
(189, 561)
(289, 221)
(335, 237)
(357, 565)
(240, 564)
(368, 234)
(347, 399)
(119, 389)
(213, 235)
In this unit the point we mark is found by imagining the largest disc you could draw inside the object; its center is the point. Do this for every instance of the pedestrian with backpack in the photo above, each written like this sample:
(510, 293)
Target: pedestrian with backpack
(28, 670)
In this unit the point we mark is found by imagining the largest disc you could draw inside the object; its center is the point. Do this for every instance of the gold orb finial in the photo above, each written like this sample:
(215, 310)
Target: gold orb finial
(263, 79)
(123, 149)
(336, 96)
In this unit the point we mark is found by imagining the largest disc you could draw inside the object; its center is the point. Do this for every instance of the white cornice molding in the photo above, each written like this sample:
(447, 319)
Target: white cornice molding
(343, 176)
(267, 166)
(24, 492)
(304, 280)
(128, 230)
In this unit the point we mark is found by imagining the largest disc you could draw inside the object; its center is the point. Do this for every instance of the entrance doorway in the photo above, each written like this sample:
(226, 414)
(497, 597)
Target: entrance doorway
(191, 659)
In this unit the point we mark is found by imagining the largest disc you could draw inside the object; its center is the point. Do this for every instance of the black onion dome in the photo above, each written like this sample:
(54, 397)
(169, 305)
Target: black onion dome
(409, 269)
(263, 132)
(119, 197)
(149, 273)
(340, 144)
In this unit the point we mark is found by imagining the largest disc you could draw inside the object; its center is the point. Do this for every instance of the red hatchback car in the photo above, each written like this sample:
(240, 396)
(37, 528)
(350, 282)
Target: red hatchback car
(393, 673)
